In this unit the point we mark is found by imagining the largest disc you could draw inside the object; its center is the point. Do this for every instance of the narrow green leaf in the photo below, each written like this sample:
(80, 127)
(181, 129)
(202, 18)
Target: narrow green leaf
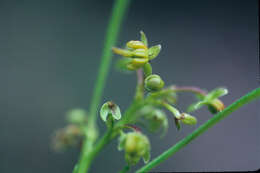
(154, 51)
(194, 106)
(216, 93)
(144, 38)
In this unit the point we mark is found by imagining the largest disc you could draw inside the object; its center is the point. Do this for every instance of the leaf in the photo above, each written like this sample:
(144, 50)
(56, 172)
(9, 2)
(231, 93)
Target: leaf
(154, 51)
(216, 93)
(195, 106)
(110, 108)
(144, 38)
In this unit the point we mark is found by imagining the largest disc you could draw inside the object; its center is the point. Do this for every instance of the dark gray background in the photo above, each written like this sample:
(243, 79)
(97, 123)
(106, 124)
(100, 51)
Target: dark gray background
(50, 51)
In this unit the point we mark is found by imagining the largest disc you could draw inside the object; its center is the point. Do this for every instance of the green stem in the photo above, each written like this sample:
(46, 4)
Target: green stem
(139, 92)
(119, 9)
(99, 146)
(234, 106)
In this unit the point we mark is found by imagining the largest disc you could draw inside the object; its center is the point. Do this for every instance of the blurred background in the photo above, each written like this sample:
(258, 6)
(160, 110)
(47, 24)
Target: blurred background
(50, 51)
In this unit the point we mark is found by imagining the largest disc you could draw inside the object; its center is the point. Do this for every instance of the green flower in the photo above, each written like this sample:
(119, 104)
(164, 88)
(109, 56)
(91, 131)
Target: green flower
(110, 108)
(136, 146)
(138, 53)
(211, 100)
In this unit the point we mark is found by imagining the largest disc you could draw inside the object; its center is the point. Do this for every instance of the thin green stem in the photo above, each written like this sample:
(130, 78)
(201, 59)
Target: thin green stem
(253, 95)
(99, 146)
(139, 92)
(119, 9)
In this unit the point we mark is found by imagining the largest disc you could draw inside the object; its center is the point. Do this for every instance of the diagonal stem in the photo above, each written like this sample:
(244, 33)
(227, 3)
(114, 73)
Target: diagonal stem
(253, 95)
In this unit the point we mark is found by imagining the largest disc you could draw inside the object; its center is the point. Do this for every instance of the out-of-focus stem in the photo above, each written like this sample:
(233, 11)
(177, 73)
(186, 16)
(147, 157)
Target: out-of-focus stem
(119, 9)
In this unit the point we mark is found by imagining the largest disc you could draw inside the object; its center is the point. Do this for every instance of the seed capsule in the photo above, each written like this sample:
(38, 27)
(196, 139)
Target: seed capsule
(188, 119)
(154, 83)
(216, 106)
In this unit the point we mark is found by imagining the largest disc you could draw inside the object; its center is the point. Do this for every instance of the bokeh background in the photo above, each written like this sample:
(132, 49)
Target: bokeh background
(50, 52)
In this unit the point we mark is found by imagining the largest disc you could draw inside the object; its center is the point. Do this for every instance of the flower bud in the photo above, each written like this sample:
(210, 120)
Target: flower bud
(188, 119)
(136, 45)
(66, 137)
(216, 106)
(122, 52)
(76, 116)
(136, 145)
(153, 83)
(142, 53)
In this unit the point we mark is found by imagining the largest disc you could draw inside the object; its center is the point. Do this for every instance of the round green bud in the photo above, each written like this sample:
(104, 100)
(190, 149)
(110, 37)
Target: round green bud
(136, 146)
(153, 83)
(76, 116)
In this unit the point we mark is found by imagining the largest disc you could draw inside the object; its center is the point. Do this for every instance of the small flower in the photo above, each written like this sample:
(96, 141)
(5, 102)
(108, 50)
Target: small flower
(138, 52)
(67, 137)
(180, 117)
(136, 146)
(110, 108)
(153, 83)
(211, 100)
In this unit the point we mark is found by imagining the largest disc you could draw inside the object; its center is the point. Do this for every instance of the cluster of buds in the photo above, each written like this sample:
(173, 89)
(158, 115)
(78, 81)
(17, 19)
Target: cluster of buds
(67, 137)
(137, 53)
(72, 134)
(136, 146)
